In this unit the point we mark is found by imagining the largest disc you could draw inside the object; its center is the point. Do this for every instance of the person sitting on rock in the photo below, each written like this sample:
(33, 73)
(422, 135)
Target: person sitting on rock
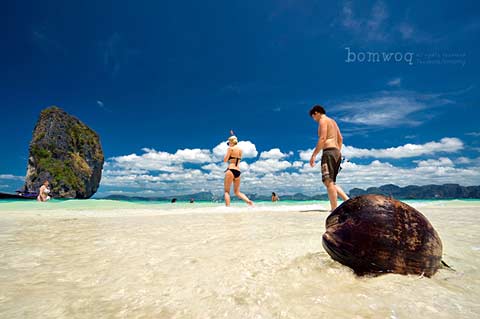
(43, 192)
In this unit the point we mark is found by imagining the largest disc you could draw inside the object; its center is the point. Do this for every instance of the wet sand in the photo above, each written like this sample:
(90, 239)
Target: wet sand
(218, 263)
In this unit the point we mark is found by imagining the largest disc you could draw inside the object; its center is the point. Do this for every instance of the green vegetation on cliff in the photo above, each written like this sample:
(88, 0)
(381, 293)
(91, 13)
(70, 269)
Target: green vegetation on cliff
(60, 169)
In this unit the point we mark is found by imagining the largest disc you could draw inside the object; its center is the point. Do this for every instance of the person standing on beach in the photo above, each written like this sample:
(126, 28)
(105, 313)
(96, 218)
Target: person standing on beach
(330, 143)
(232, 174)
(43, 192)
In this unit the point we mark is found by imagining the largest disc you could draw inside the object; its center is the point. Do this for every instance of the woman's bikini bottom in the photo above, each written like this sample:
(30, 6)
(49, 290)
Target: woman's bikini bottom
(236, 173)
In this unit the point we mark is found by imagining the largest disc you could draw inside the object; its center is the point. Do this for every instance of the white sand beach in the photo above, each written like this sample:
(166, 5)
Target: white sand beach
(131, 261)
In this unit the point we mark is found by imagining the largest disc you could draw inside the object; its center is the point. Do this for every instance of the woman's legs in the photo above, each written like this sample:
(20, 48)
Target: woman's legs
(236, 189)
(226, 183)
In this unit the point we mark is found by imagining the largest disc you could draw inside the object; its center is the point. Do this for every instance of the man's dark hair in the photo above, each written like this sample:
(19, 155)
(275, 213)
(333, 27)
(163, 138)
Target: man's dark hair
(317, 109)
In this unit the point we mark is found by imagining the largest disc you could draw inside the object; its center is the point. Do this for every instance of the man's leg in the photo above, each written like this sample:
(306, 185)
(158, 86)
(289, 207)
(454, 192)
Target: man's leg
(341, 193)
(332, 193)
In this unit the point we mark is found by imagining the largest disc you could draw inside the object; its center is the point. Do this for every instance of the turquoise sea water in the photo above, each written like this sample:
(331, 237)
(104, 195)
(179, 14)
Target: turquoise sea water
(104, 204)
(109, 205)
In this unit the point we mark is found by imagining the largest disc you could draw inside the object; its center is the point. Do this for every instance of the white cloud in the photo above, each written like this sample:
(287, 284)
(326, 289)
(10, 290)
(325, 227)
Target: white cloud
(269, 166)
(463, 160)
(220, 150)
(475, 134)
(166, 172)
(370, 27)
(442, 161)
(274, 153)
(297, 164)
(375, 26)
(306, 168)
(446, 144)
(244, 166)
(396, 82)
(383, 110)
(376, 21)
(193, 156)
(269, 175)
(162, 173)
(248, 149)
(123, 171)
(305, 154)
(411, 33)
(379, 173)
(151, 160)
(13, 177)
(10, 182)
(160, 161)
(212, 167)
(392, 108)
(181, 156)
(349, 21)
(102, 106)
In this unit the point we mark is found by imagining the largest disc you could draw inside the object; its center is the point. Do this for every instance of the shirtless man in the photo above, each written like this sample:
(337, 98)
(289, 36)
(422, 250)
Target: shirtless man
(330, 142)
(43, 192)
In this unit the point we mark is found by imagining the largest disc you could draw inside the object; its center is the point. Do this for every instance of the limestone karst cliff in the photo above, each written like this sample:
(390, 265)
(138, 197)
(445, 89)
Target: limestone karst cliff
(66, 152)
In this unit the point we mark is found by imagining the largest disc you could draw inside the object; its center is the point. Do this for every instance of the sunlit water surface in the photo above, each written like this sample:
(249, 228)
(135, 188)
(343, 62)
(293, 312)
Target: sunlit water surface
(112, 259)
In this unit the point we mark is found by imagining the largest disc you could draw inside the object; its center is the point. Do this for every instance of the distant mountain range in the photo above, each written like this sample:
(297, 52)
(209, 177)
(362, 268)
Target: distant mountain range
(209, 196)
(202, 196)
(446, 191)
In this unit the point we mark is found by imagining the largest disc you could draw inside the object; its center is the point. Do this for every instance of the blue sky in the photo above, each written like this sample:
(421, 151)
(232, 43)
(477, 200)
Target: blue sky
(163, 82)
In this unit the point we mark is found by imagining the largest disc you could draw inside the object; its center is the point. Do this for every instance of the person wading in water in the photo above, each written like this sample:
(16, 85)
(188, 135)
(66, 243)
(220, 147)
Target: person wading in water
(232, 174)
(330, 143)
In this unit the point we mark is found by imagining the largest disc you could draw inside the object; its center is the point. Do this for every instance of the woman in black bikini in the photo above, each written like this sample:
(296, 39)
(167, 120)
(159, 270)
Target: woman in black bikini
(232, 174)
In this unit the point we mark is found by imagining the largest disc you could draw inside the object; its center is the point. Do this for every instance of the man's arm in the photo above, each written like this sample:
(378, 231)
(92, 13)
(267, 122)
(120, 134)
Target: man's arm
(339, 138)
(322, 136)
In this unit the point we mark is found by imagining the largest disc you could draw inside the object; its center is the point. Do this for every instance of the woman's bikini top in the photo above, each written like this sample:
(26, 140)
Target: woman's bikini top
(235, 158)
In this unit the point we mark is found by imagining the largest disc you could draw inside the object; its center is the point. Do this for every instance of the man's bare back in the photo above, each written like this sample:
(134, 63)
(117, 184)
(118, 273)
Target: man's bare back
(333, 138)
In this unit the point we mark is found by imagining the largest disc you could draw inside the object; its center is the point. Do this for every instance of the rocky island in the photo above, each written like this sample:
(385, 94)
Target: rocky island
(67, 153)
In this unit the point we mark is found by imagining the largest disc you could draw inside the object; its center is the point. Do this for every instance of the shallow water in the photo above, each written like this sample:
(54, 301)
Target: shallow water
(84, 259)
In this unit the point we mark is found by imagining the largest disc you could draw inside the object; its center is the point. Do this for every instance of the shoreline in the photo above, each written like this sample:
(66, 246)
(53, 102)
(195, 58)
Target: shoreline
(77, 208)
